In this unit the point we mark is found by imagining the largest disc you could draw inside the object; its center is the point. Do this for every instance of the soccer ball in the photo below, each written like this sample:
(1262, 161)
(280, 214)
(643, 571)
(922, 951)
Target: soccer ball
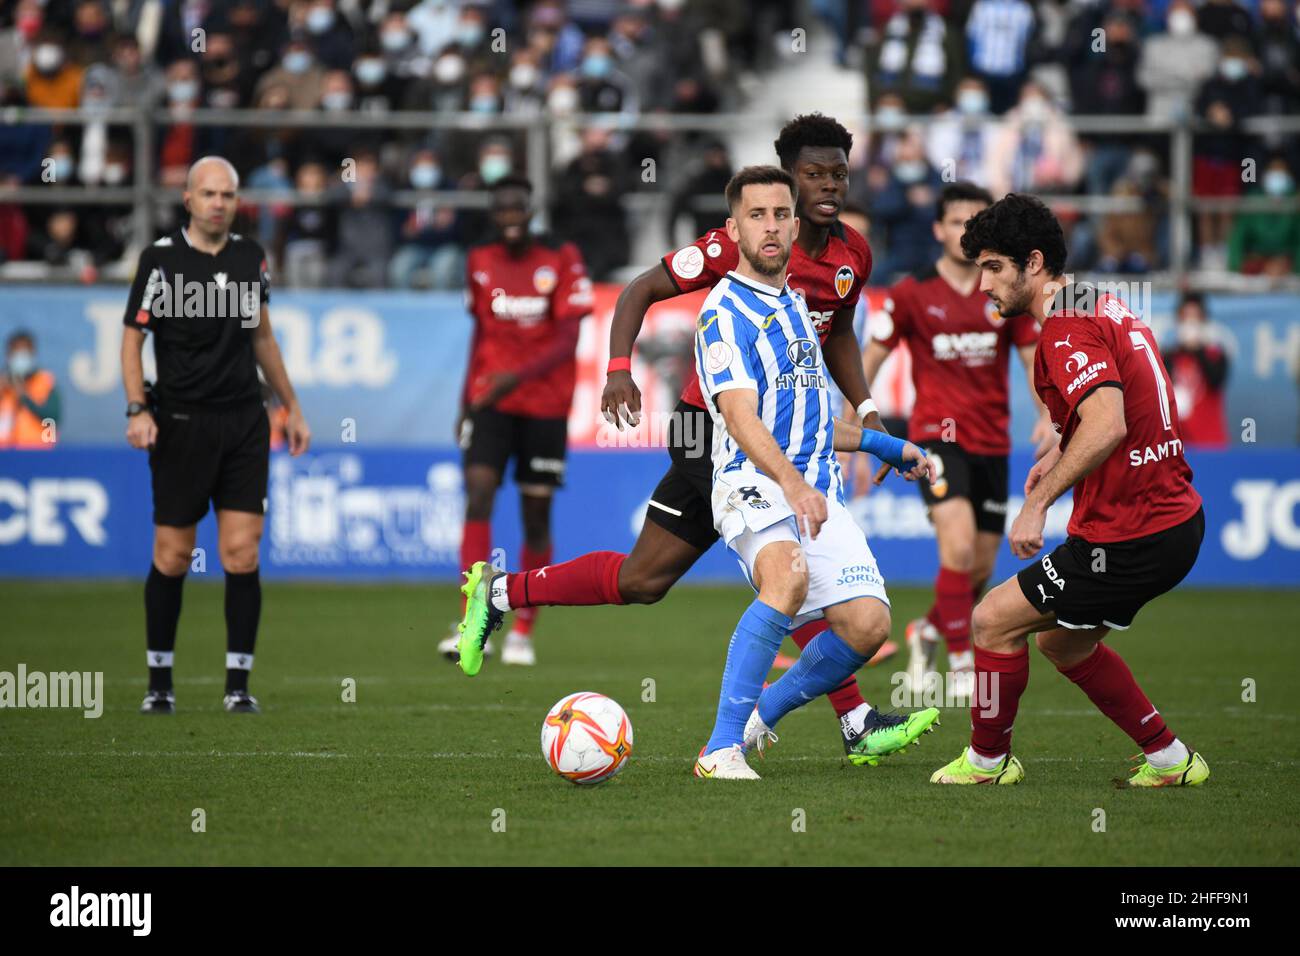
(586, 738)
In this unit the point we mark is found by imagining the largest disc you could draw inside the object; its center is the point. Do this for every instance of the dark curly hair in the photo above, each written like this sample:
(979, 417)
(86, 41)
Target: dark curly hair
(1014, 227)
(813, 131)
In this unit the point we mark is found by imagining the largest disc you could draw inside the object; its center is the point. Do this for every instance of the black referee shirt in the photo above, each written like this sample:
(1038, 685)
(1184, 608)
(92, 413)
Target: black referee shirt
(202, 310)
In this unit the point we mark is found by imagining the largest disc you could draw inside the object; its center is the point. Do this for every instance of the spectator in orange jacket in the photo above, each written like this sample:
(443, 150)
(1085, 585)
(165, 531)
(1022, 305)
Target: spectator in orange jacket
(29, 399)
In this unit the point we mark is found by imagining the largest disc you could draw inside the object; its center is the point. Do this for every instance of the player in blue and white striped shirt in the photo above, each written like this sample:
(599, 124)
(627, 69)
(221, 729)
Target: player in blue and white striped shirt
(778, 497)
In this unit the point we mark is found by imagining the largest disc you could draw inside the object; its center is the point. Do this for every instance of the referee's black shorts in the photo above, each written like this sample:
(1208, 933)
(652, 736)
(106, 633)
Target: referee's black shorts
(220, 456)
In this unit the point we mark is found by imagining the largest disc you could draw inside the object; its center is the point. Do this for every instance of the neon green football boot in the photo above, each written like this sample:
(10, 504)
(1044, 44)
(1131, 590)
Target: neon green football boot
(963, 771)
(480, 619)
(1192, 772)
(885, 734)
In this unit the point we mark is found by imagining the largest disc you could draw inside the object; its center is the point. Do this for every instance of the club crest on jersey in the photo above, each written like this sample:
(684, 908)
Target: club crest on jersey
(802, 353)
(843, 281)
(544, 280)
(1076, 362)
(991, 313)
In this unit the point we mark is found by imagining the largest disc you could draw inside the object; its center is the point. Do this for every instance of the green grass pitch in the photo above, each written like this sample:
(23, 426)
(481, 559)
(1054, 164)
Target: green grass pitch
(415, 770)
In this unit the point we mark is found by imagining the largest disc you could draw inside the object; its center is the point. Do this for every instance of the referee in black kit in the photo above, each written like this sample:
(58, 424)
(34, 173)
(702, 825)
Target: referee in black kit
(202, 291)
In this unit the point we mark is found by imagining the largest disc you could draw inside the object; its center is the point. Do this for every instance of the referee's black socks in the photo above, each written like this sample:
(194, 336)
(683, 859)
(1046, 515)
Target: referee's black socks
(162, 609)
(243, 609)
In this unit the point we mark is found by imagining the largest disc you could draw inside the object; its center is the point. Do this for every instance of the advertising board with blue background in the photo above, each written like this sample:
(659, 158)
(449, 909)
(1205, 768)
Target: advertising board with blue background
(380, 495)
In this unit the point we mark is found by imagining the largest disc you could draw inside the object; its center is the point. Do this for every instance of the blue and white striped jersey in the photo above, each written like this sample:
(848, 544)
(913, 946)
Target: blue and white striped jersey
(753, 336)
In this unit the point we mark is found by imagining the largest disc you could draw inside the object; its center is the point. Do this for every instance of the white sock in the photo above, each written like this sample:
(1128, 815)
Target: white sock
(984, 763)
(857, 717)
(961, 660)
(499, 594)
(1170, 756)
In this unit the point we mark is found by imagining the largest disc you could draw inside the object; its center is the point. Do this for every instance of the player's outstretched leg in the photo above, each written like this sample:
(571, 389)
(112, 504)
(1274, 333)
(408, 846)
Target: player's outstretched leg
(851, 707)
(1102, 674)
(481, 616)
(826, 662)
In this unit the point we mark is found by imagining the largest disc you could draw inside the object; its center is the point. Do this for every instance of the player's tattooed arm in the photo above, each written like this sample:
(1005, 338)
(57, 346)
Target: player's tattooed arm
(621, 399)
(1101, 430)
(739, 408)
(1044, 437)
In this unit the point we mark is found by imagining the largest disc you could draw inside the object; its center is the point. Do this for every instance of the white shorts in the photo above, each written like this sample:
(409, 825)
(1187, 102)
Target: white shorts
(750, 512)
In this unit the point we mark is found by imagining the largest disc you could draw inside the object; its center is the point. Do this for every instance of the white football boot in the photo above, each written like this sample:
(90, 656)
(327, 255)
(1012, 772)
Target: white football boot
(923, 646)
(758, 736)
(518, 650)
(725, 763)
(449, 647)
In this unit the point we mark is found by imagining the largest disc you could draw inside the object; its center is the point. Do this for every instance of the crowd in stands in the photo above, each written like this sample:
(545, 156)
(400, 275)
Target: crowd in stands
(1003, 79)
(1000, 80)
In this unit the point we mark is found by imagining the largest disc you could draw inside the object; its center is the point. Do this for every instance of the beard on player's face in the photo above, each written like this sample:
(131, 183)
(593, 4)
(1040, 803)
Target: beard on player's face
(766, 265)
(1018, 297)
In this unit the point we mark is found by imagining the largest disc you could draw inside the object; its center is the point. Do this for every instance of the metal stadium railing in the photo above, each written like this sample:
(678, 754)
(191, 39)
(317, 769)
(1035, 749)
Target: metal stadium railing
(539, 133)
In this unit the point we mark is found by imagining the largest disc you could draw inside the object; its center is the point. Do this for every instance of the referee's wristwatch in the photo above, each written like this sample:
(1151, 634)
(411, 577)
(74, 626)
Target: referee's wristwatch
(135, 408)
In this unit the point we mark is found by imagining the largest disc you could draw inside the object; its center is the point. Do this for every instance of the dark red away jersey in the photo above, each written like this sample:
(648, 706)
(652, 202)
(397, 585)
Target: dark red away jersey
(1145, 486)
(526, 312)
(960, 346)
(828, 283)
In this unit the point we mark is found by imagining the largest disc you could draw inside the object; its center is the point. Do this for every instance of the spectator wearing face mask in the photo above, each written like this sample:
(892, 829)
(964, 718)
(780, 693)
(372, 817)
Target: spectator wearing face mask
(108, 230)
(429, 253)
(29, 398)
(1198, 369)
(52, 81)
(299, 73)
(16, 38)
(1268, 243)
(1173, 65)
(1225, 100)
(399, 48)
(999, 33)
(963, 135)
(525, 87)
(332, 143)
(328, 35)
(377, 90)
(902, 201)
(446, 86)
(1036, 149)
(180, 141)
(602, 87)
